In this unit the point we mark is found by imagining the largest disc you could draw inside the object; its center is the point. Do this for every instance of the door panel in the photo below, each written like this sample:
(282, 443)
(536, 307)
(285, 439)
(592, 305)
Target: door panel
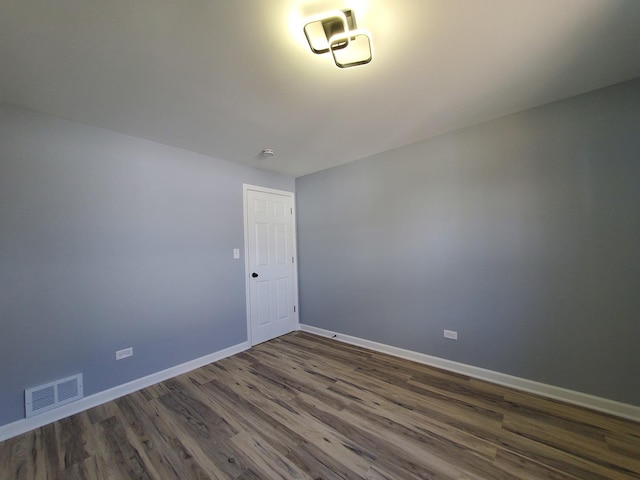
(282, 291)
(280, 232)
(263, 303)
(270, 242)
(262, 245)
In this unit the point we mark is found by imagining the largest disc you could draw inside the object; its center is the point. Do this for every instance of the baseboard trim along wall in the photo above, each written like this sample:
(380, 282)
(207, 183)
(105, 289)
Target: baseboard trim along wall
(605, 405)
(28, 424)
(600, 404)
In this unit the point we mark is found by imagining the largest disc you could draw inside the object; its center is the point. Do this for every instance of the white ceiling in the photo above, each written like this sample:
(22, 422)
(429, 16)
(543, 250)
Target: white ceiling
(228, 78)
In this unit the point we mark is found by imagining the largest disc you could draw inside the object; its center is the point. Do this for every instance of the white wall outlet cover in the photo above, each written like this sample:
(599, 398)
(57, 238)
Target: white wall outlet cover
(236, 253)
(451, 334)
(124, 353)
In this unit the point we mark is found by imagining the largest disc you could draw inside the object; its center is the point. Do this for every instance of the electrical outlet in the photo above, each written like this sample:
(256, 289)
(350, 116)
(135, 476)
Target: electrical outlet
(451, 334)
(124, 353)
(236, 253)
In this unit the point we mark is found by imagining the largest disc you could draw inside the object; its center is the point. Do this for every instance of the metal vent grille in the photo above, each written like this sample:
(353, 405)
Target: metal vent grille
(46, 397)
(43, 398)
(67, 390)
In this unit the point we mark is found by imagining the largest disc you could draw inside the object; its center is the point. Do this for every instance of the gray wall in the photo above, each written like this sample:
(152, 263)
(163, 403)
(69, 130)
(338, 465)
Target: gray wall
(109, 241)
(521, 233)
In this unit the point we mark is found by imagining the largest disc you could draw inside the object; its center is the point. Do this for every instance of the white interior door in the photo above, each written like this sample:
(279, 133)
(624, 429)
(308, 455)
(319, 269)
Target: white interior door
(270, 260)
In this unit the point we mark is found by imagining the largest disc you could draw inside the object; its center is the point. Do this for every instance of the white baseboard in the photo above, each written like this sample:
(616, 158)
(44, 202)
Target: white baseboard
(28, 424)
(619, 409)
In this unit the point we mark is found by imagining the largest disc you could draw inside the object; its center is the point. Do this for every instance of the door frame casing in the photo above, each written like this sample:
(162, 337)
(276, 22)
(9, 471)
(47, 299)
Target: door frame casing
(245, 189)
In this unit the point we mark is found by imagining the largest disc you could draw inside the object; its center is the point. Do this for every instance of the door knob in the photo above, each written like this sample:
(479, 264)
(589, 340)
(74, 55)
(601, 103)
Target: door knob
(254, 275)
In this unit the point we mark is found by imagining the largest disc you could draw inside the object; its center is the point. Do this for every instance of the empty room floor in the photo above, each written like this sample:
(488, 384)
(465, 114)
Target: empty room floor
(303, 406)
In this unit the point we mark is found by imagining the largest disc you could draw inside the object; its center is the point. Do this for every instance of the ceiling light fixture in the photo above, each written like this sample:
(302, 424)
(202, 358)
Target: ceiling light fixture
(338, 33)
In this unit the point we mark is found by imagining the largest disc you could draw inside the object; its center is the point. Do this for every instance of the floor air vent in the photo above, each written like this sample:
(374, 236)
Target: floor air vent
(46, 397)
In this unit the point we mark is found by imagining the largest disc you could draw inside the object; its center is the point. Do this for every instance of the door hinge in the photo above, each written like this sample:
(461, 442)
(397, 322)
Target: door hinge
(291, 211)
(294, 309)
(293, 260)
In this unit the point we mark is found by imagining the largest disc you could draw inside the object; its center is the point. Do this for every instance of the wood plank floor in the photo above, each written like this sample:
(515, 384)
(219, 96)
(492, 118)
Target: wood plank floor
(303, 406)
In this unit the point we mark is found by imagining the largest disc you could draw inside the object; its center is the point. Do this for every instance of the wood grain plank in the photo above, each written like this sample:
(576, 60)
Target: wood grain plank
(303, 406)
(266, 461)
(121, 452)
(169, 457)
(583, 447)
